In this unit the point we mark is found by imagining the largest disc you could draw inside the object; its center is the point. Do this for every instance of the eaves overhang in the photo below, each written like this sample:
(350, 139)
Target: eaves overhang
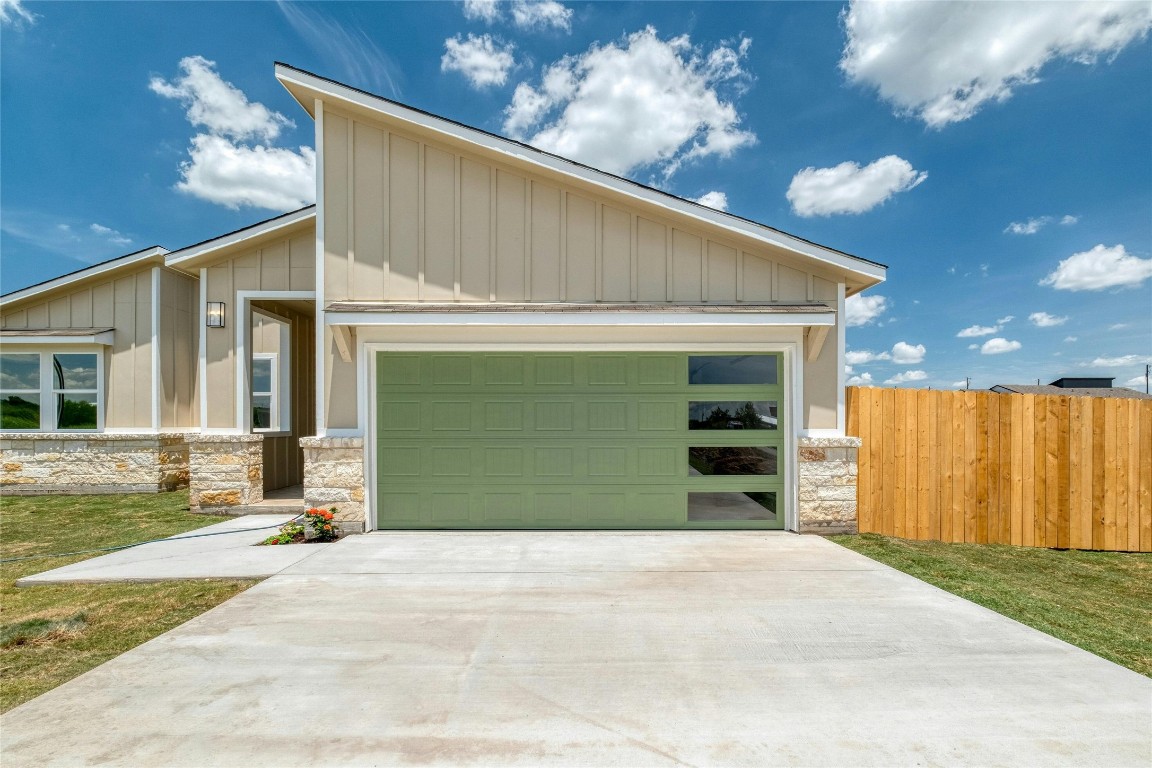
(307, 87)
(194, 256)
(103, 269)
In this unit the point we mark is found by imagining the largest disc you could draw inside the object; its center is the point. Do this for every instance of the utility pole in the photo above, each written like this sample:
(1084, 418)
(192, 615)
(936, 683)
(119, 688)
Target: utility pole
(967, 382)
(1147, 368)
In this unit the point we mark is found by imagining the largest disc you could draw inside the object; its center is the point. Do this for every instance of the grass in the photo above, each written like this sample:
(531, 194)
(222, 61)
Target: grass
(1098, 601)
(51, 634)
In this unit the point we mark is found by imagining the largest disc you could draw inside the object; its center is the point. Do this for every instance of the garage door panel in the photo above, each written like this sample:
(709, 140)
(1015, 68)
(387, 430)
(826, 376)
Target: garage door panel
(507, 440)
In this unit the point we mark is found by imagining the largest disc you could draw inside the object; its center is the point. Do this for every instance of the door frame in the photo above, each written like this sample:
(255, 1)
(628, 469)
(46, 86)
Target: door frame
(366, 393)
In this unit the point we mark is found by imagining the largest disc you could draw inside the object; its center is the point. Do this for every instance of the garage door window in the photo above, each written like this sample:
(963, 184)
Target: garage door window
(732, 414)
(732, 460)
(744, 370)
(721, 506)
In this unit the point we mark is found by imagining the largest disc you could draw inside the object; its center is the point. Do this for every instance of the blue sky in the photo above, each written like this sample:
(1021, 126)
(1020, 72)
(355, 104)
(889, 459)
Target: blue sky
(997, 156)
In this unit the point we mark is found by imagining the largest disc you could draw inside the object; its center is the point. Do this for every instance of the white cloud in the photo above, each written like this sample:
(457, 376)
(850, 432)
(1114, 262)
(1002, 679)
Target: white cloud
(1117, 326)
(1045, 320)
(225, 166)
(862, 380)
(638, 103)
(1137, 383)
(975, 331)
(849, 188)
(861, 356)
(1099, 269)
(482, 10)
(235, 175)
(480, 59)
(960, 385)
(13, 12)
(109, 234)
(907, 354)
(217, 105)
(941, 62)
(1006, 319)
(1070, 338)
(541, 15)
(999, 346)
(973, 346)
(714, 199)
(1034, 225)
(906, 376)
(864, 310)
(1122, 361)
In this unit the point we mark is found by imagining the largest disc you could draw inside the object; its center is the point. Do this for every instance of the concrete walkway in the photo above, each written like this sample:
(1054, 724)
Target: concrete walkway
(227, 554)
(591, 649)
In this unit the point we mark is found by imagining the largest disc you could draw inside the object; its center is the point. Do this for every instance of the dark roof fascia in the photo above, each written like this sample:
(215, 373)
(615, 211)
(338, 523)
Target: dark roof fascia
(576, 163)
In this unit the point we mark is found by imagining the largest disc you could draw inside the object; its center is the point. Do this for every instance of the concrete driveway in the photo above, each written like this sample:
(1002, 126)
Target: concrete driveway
(590, 649)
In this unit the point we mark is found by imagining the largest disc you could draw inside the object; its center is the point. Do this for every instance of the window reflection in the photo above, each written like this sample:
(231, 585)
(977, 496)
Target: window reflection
(732, 414)
(720, 506)
(732, 369)
(732, 460)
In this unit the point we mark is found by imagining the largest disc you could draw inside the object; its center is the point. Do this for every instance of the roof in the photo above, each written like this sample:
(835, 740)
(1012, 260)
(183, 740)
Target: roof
(305, 86)
(1048, 389)
(192, 256)
(153, 253)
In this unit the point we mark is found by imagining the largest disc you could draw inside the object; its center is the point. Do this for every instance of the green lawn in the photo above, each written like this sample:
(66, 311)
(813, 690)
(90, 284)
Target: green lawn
(50, 634)
(1098, 601)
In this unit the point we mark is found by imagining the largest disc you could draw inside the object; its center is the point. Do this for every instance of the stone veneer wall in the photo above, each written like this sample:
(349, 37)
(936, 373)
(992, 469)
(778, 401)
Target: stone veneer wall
(227, 471)
(826, 472)
(61, 463)
(334, 477)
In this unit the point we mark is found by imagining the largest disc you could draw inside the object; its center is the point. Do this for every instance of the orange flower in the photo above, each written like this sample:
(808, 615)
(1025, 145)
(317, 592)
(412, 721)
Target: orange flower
(327, 527)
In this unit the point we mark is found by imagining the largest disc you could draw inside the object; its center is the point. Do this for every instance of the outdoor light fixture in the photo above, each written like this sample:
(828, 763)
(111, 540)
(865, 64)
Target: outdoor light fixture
(214, 317)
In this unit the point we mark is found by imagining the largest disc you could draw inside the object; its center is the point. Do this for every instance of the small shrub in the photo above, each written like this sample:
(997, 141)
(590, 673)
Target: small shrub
(290, 533)
(323, 529)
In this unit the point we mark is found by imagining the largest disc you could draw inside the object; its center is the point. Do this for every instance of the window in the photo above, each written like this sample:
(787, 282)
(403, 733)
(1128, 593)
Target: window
(50, 391)
(732, 414)
(265, 393)
(733, 369)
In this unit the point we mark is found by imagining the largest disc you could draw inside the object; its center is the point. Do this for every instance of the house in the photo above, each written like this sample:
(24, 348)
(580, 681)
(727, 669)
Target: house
(1068, 385)
(463, 332)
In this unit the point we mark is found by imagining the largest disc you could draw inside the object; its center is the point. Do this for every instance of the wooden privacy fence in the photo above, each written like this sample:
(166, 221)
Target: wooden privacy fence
(982, 467)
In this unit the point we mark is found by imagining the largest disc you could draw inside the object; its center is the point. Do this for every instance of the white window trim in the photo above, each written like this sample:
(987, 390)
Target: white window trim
(48, 391)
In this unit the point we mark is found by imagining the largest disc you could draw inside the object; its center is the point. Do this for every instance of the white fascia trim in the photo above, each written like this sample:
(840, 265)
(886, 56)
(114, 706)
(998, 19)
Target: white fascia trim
(320, 320)
(598, 178)
(176, 258)
(104, 338)
(841, 346)
(579, 318)
(155, 345)
(98, 269)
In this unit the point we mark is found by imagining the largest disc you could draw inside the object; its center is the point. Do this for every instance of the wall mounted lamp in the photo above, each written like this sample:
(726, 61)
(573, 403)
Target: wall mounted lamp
(214, 316)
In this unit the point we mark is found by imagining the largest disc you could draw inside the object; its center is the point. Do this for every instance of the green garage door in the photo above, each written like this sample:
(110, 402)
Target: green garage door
(628, 440)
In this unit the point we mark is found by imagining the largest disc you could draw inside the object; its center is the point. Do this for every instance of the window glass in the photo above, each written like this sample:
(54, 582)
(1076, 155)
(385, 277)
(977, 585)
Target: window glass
(732, 460)
(261, 411)
(20, 411)
(75, 371)
(707, 506)
(732, 414)
(732, 369)
(20, 371)
(76, 410)
(262, 374)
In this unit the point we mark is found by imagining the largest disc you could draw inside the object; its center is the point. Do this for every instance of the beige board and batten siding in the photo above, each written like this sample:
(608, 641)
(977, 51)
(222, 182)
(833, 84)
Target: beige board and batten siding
(285, 264)
(179, 349)
(283, 459)
(123, 303)
(407, 219)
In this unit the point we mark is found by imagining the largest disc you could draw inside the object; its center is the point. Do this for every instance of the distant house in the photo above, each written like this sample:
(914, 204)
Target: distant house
(1070, 385)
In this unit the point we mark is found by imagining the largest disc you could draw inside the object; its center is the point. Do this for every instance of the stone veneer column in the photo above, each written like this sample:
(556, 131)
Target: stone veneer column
(826, 471)
(226, 472)
(334, 477)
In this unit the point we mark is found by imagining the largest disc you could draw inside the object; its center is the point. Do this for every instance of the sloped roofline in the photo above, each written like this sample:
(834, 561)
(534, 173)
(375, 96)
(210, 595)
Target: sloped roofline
(136, 257)
(190, 255)
(869, 272)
